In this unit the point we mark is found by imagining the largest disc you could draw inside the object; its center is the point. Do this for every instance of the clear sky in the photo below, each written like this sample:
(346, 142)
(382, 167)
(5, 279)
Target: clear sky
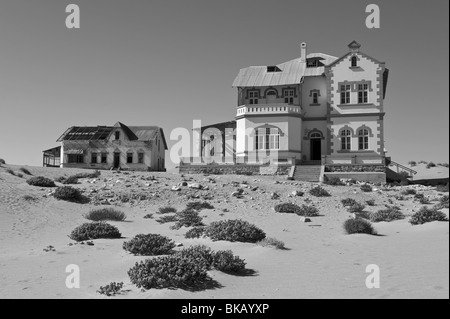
(167, 62)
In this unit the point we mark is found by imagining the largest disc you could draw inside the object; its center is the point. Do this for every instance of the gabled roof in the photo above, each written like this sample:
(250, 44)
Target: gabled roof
(129, 133)
(96, 133)
(291, 72)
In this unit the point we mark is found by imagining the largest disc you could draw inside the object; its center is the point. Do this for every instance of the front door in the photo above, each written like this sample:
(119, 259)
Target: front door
(116, 160)
(316, 149)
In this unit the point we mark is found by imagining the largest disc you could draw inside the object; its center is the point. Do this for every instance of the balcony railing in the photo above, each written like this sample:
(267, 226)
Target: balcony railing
(278, 108)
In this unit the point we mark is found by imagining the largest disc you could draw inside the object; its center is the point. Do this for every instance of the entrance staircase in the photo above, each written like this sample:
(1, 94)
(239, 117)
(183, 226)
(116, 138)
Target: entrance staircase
(307, 173)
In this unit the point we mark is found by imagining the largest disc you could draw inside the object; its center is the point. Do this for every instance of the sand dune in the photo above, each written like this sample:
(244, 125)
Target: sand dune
(320, 262)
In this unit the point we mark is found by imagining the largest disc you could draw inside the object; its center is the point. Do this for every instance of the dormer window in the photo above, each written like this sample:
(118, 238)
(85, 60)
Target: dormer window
(271, 69)
(313, 63)
(117, 135)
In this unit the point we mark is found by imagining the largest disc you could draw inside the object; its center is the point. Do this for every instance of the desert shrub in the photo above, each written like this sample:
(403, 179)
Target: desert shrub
(2, 161)
(334, 181)
(167, 272)
(399, 197)
(318, 191)
(386, 215)
(359, 226)
(424, 201)
(167, 219)
(94, 231)
(199, 205)
(412, 163)
(60, 179)
(308, 211)
(225, 261)
(443, 203)
(40, 181)
(370, 202)
(25, 171)
(444, 165)
(10, 171)
(234, 230)
(188, 218)
(366, 188)
(442, 188)
(304, 210)
(357, 208)
(68, 193)
(70, 180)
(271, 242)
(430, 165)
(105, 214)
(149, 245)
(195, 232)
(148, 216)
(111, 289)
(422, 162)
(94, 174)
(409, 191)
(348, 202)
(287, 208)
(167, 210)
(427, 215)
(419, 196)
(200, 254)
(404, 175)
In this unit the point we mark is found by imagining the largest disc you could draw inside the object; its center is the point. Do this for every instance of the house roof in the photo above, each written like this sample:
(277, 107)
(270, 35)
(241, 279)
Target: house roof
(96, 133)
(291, 72)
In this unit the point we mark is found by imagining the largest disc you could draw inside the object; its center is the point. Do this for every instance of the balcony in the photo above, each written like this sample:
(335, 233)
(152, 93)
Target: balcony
(263, 109)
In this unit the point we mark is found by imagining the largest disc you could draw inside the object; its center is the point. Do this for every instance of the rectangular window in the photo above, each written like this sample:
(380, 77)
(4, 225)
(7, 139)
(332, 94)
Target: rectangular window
(267, 139)
(289, 96)
(129, 158)
(253, 97)
(345, 94)
(117, 135)
(363, 92)
(315, 97)
(104, 158)
(75, 158)
(363, 142)
(141, 158)
(345, 143)
(94, 158)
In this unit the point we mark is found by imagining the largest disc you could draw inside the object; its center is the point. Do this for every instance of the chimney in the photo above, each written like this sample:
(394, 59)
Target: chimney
(303, 50)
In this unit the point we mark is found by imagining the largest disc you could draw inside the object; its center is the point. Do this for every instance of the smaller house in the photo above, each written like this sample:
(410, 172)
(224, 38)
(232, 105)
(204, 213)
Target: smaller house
(138, 148)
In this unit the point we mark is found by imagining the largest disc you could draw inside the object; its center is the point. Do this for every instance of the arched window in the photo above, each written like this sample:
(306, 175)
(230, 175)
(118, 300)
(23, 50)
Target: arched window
(346, 143)
(315, 135)
(354, 61)
(271, 93)
(363, 139)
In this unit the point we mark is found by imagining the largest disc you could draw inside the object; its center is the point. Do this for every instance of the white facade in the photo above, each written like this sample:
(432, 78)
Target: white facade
(315, 108)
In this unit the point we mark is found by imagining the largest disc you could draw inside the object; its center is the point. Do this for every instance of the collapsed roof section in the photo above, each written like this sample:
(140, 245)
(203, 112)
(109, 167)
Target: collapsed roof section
(101, 133)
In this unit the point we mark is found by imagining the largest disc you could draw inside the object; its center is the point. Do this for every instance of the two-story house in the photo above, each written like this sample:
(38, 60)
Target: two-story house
(316, 107)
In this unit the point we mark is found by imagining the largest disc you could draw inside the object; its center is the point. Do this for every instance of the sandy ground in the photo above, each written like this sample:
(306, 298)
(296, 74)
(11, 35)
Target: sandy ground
(320, 262)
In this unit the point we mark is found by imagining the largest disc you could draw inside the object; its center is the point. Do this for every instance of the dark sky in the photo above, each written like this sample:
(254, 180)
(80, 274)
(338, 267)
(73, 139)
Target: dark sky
(168, 62)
